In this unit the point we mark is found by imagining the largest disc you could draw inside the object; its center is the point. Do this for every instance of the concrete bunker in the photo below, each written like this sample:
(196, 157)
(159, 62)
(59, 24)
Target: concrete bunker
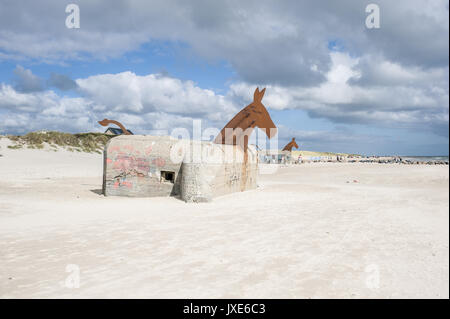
(197, 171)
(150, 166)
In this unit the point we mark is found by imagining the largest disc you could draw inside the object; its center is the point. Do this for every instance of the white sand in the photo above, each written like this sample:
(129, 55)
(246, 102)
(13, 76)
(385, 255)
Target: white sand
(305, 233)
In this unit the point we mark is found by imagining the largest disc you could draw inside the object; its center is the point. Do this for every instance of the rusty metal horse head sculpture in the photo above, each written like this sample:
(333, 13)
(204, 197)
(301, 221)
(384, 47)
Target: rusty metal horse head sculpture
(290, 145)
(237, 131)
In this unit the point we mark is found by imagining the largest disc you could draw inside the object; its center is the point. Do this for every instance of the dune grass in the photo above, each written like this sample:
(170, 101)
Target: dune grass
(80, 142)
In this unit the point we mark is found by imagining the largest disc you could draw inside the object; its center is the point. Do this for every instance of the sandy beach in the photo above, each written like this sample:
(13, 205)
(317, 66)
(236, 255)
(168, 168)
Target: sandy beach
(319, 230)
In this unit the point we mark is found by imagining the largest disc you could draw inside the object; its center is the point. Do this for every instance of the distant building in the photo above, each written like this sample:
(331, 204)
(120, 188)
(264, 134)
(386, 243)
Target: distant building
(115, 131)
(275, 157)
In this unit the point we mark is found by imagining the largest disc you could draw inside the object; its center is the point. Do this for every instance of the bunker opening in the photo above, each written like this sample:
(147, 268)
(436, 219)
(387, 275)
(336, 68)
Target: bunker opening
(168, 177)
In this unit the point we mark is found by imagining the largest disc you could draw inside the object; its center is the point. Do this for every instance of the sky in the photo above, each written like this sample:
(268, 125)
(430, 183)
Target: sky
(331, 82)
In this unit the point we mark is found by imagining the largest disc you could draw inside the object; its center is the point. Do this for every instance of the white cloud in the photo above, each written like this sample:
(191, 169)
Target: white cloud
(154, 101)
(143, 103)
(23, 112)
(412, 99)
(25, 102)
(128, 92)
(395, 76)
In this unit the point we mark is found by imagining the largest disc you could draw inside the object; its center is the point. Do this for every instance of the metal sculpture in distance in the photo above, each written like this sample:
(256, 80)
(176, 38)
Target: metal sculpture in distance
(106, 122)
(290, 145)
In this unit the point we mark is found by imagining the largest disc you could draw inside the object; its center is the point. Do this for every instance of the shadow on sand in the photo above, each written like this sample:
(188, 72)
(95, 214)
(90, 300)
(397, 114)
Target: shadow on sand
(97, 191)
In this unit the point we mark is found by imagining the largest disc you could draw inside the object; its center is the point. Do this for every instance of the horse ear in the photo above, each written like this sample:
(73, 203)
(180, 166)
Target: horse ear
(258, 95)
(261, 93)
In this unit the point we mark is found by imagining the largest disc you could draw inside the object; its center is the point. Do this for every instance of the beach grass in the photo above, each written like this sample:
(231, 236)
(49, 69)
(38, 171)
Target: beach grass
(80, 142)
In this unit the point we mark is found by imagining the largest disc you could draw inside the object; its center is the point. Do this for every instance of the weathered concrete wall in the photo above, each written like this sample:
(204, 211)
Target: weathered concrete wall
(133, 166)
(224, 171)
(139, 166)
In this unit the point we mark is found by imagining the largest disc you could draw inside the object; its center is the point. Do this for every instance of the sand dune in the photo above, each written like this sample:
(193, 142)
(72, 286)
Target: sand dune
(308, 231)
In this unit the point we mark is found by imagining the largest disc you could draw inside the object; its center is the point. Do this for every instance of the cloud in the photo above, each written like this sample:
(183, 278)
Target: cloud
(377, 71)
(62, 82)
(26, 81)
(265, 42)
(24, 112)
(146, 104)
(31, 102)
(128, 92)
(313, 56)
(358, 91)
(158, 104)
(413, 33)
(155, 101)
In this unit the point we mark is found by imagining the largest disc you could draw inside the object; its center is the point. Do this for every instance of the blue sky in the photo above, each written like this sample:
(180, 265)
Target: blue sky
(331, 83)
